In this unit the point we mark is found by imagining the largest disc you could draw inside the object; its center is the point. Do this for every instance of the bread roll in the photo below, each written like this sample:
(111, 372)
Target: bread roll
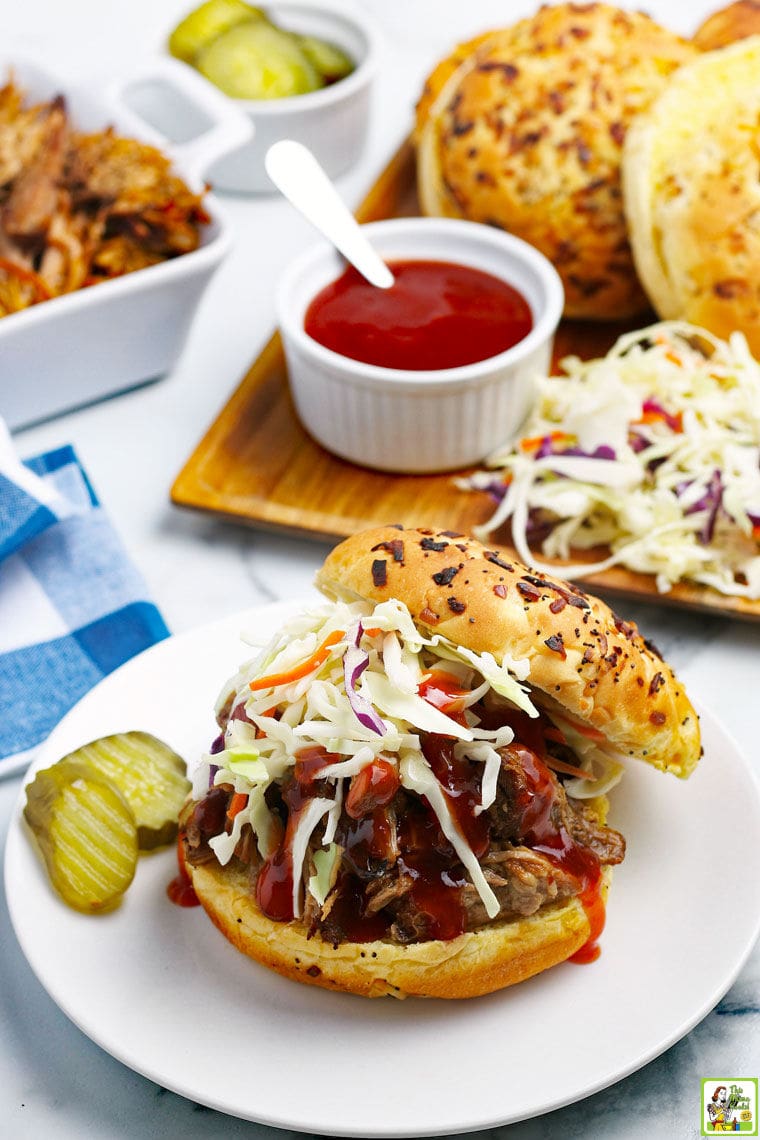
(692, 194)
(477, 962)
(526, 133)
(729, 24)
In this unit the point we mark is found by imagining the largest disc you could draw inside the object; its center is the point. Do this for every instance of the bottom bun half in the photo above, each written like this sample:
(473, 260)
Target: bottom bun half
(477, 962)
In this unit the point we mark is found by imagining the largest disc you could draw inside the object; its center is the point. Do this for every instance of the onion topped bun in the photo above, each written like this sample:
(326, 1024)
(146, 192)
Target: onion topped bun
(523, 128)
(408, 792)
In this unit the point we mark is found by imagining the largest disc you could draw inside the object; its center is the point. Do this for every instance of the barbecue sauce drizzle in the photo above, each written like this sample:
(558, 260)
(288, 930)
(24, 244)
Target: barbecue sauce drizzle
(422, 850)
(180, 889)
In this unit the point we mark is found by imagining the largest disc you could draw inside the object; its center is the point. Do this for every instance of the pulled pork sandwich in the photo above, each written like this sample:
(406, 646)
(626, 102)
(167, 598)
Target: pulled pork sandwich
(407, 796)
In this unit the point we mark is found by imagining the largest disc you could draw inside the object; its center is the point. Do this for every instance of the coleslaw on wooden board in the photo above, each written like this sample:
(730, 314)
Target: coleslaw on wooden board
(652, 451)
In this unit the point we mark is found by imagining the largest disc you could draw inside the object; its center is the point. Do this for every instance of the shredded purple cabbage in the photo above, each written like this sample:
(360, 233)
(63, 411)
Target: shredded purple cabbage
(710, 502)
(217, 745)
(655, 407)
(355, 661)
(538, 526)
(213, 769)
(497, 489)
(548, 446)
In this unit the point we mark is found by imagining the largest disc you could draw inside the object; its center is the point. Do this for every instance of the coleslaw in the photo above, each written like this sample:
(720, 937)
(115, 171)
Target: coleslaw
(348, 681)
(652, 451)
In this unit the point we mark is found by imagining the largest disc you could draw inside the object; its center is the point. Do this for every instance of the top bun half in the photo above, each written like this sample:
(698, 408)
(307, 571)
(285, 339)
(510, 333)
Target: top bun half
(585, 661)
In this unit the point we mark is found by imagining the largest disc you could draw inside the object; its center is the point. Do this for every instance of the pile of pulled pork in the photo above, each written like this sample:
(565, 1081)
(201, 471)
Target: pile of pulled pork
(77, 209)
(398, 878)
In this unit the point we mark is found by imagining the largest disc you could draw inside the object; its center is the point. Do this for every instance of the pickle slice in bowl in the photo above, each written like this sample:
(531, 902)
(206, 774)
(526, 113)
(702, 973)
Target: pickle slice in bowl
(331, 62)
(256, 60)
(205, 23)
(150, 775)
(86, 833)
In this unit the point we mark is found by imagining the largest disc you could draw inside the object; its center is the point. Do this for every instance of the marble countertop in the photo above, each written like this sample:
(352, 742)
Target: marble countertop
(53, 1080)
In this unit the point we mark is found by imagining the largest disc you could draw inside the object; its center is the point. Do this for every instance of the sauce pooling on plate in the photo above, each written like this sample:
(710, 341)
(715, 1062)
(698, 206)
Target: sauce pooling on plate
(438, 314)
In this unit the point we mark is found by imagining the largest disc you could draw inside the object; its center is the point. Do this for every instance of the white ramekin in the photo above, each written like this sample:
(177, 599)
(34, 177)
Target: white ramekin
(333, 122)
(406, 421)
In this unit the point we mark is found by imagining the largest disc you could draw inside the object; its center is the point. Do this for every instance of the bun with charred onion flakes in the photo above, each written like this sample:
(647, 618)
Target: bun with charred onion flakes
(523, 128)
(407, 795)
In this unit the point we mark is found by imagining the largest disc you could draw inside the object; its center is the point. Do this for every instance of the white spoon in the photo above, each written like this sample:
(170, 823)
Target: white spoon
(299, 177)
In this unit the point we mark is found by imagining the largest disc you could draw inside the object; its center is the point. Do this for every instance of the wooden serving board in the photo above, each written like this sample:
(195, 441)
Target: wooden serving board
(257, 465)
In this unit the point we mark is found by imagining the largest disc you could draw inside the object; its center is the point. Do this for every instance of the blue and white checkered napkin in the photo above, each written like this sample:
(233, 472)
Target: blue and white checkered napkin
(72, 606)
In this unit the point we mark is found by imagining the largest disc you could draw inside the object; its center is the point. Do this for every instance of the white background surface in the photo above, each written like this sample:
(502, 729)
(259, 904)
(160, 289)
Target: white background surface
(53, 1080)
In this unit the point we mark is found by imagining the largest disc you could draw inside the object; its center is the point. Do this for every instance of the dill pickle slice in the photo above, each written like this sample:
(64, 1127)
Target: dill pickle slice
(331, 62)
(255, 60)
(205, 23)
(86, 832)
(150, 775)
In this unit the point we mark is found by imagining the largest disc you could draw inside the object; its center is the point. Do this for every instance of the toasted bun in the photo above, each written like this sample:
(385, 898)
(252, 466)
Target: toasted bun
(475, 963)
(523, 129)
(729, 24)
(441, 74)
(692, 194)
(583, 658)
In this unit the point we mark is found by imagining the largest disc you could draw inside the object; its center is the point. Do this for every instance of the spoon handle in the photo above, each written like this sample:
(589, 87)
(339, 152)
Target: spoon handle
(299, 177)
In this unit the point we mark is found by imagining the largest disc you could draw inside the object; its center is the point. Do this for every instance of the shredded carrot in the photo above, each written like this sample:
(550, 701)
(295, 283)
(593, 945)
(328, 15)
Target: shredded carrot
(28, 276)
(670, 352)
(551, 732)
(297, 672)
(372, 632)
(269, 712)
(237, 803)
(533, 442)
(567, 769)
(586, 730)
(590, 732)
(674, 422)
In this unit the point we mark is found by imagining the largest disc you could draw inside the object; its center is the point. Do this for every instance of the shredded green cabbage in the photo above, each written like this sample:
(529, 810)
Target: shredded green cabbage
(325, 860)
(652, 451)
(316, 710)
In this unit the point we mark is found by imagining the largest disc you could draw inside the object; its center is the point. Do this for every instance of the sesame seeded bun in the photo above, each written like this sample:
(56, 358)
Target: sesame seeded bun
(584, 659)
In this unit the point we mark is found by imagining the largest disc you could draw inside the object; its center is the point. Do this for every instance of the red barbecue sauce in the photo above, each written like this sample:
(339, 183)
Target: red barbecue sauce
(436, 315)
(274, 884)
(373, 787)
(539, 832)
(209, 816)
(443, 691)
(423, 851)
(180, 889)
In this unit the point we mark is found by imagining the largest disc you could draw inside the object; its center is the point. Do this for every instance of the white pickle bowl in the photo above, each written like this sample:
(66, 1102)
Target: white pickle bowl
(332, 121)
(409, 421)
(95, 342)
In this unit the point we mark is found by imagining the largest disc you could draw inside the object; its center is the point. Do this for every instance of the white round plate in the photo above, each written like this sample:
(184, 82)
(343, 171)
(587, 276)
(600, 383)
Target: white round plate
(161, 990)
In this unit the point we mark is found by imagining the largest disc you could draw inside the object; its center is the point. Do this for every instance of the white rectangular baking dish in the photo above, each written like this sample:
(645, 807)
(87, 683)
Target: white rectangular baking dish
(81, 347)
